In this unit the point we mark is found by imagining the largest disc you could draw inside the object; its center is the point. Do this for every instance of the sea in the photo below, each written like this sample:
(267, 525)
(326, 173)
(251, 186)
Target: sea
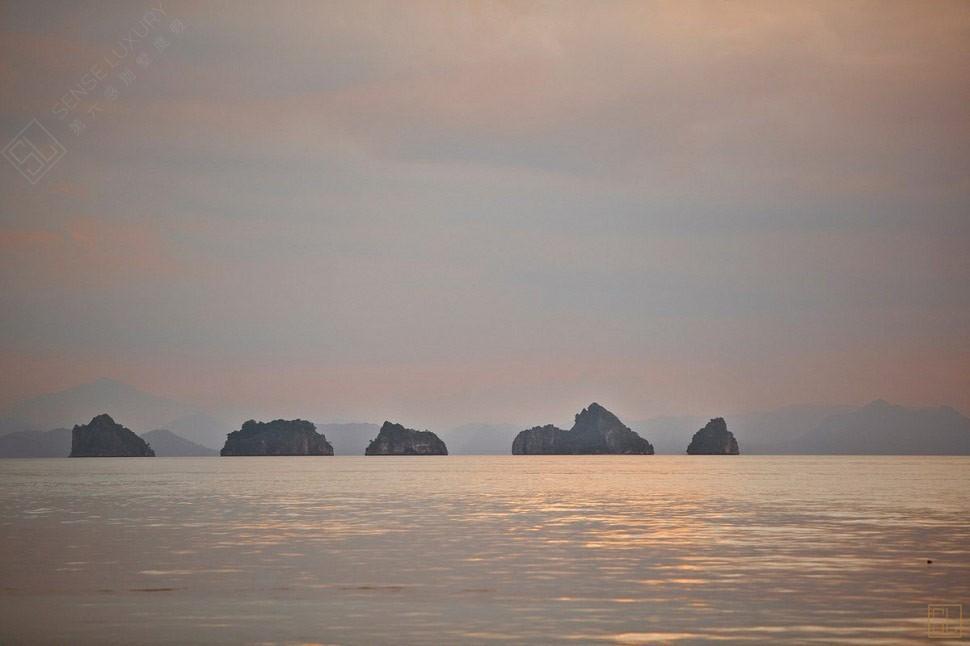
(483, 550)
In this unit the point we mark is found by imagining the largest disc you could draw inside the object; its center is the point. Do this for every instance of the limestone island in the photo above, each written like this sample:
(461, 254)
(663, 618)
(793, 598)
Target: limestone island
(394, 439)
(279, 437)
(102, 437)
(713, 439)
(596, 431)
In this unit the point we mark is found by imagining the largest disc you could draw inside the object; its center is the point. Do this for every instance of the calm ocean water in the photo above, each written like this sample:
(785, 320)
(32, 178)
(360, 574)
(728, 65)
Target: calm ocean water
(599, 549)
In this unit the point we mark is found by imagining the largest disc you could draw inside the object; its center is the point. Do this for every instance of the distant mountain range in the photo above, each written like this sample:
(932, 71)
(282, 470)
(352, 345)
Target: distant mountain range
(771, 431)
(349, 438)
(469, 439)
(480, 439)
(884, 429)
(879, 428)
(201, 428)
(167, 444)
(36, 444)
(138, 410)
(179, 429)
(57, 444)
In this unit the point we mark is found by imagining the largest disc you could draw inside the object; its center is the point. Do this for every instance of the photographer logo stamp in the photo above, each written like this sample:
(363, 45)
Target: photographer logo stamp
(944, 620)
(34, 151)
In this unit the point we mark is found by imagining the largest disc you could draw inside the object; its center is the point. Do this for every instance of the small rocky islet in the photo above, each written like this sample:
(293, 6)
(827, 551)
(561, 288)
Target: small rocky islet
(713, 439)
(596, 431)
(102, 437)
(279, 437)
(395, 439)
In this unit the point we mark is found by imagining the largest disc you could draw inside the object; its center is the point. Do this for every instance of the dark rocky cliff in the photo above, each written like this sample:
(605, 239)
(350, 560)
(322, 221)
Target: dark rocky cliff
(540, 440)
(104, 438)
(394, 439)
(595, 431)
(279, 437)
(713, 439)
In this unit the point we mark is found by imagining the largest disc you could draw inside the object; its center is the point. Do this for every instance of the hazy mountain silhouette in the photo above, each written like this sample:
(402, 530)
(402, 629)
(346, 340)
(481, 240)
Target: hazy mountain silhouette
(13, 425)
(769, 431)
(200, 428)
(878, 428)
(775, 431)
(36, 444)
(469, 439)
(167, 444)
(480, 439)
(138, 409)
(349, 438)
(669, 434)
(886, 429)
(798, 429)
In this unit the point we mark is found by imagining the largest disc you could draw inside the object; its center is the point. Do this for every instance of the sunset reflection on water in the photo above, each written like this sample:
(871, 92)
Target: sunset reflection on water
(443, 550)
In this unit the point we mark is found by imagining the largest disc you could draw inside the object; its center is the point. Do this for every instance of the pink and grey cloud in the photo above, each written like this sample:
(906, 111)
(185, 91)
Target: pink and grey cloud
(497, 211)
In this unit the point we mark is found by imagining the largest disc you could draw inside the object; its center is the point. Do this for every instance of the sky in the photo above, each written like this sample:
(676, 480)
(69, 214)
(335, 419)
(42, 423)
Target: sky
(450, 212)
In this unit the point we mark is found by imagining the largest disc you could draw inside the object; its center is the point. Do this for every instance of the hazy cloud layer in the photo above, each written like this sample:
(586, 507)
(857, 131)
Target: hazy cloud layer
(493, 211)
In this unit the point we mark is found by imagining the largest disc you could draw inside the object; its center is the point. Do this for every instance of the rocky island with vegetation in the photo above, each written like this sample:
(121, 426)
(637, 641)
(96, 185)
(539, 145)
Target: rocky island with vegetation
(102, 437)
(596, 431)
(395, 439)
(279, 437)
(713, 439)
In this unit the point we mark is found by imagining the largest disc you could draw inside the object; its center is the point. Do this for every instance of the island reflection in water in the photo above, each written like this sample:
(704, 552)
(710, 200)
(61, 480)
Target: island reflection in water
(455, 549)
